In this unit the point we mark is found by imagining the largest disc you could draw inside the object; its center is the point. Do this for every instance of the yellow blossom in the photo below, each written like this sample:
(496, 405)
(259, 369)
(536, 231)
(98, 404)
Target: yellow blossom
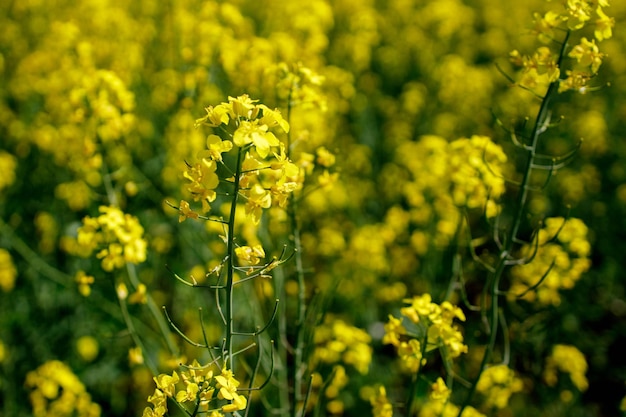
(604, 26)
(256, 133)
(84, 282)
(185, 212)
(381, 407)
(8, 272)
(258, 199)
(439, 391)
(216, 147)
(587, 54)
(166, 383)
(497, 383)
(251, 255)
(570, 360)
(139, 296)
(8, 164)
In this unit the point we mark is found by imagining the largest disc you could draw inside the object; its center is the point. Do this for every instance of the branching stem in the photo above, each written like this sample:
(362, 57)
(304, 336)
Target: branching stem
(494, 292)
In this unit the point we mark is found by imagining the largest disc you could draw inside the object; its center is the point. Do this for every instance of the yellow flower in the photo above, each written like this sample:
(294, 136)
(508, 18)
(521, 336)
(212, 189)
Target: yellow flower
(87, 348)
(167, 383)
(251, 255)
(258, 199)
(189, 394)
(544, 25)
(439, 391)
(111, 257)
(55, 387)
(273, 118)
(604, 26)
(204, 180)
(381, 407)
(587, 54)
(579, 13)
(185, 212)
(411, 355)
(227, 385)
(139, 296)
(122, 291)
(8, 163)
(324, 157)
(497, 383)
(393, 331)
(216, 147)
(215, 116)
(568, 359)
(121, 233)
(243, 106)
(256, 133)
(135, 356)
(84, 282)
(7, 271)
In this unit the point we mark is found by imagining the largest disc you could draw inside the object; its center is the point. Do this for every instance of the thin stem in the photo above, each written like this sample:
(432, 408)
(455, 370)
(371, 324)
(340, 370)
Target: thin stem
(503, 261)
(136, 339)
(301, 312)
(230, 262)
(154, 311)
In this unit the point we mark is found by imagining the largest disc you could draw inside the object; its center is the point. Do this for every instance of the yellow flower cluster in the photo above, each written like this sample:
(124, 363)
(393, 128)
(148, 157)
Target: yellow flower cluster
(438, 403)
(262, 183)
(440, 409)
(85, 106)
(8, 272)
(430, 327)
(119, 235)
(336, 341)
(497, 383)
(198, 388)
(465, 173)
(57, 392)
(560, 257)
(339, 380)
(567, 359)
(381, 407)
(542, 68)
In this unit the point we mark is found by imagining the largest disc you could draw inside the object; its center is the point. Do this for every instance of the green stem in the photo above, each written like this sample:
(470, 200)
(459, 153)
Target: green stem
(154, 311)
(299, 347)
(505, 254)
(230, 262)
(298, 369)
(135, 336)
(132, 275)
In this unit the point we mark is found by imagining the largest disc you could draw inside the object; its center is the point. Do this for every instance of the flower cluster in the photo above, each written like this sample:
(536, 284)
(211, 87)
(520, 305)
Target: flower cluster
(470, 170)
(336, 341)
(57, 392)
(430, 326)
(497, 383)
(198, 387)
(439, 405)
(262, 183)
(542, 67)
(298, 85)
(567, 359)
(381, 407)
(119, 237)
(559, 257)
(85, 107)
